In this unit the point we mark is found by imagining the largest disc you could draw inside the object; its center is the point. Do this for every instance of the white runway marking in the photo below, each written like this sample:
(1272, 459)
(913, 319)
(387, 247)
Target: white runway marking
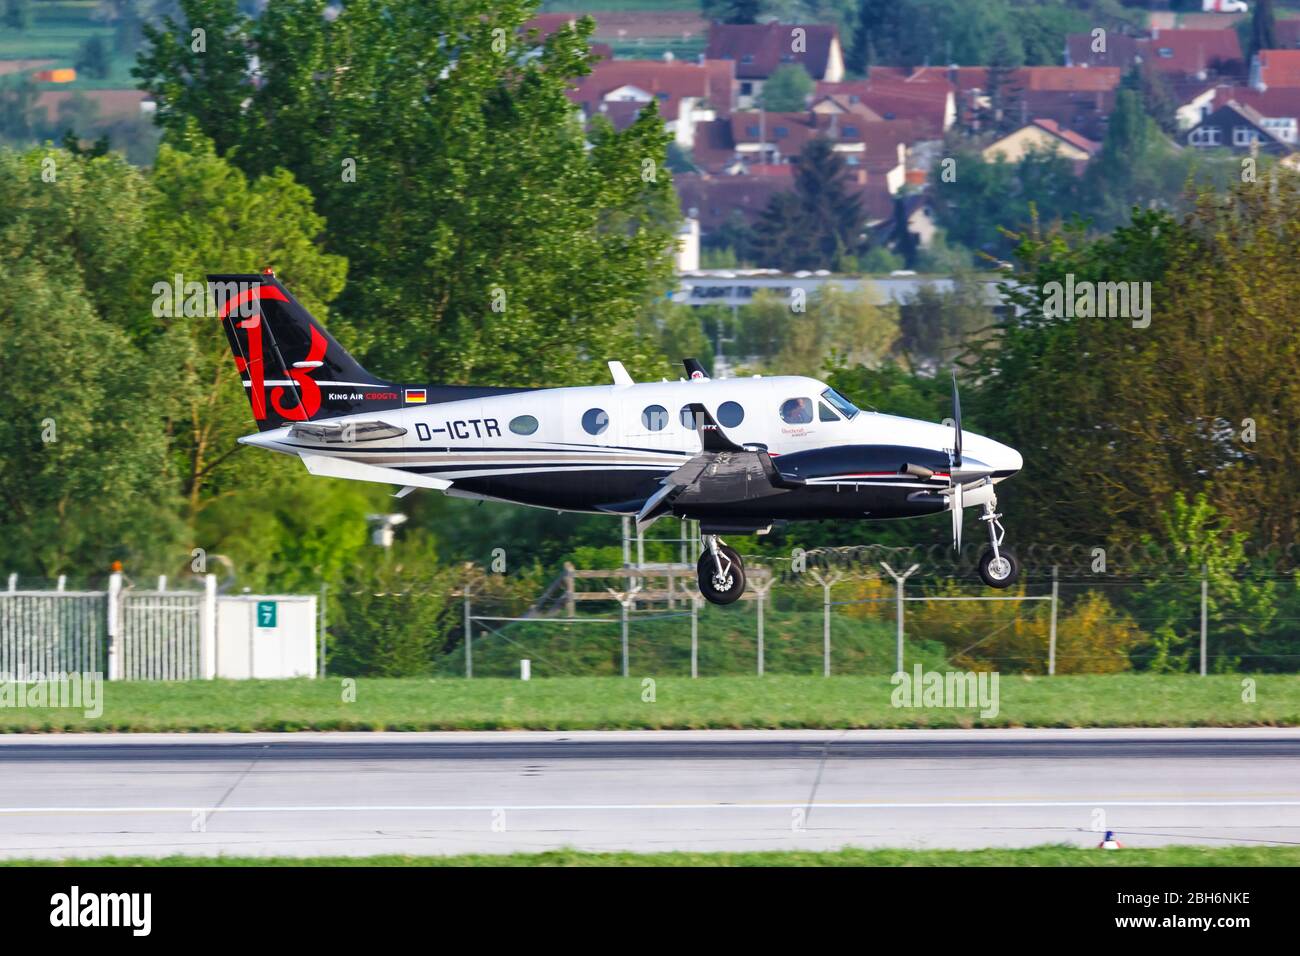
(561, 807)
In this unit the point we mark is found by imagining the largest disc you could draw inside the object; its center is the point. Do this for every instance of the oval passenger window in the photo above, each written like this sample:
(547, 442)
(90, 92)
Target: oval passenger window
(730, 414)
(523, 425)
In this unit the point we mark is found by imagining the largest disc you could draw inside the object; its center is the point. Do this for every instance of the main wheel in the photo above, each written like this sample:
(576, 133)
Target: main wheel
(999, 572)
(727, 587)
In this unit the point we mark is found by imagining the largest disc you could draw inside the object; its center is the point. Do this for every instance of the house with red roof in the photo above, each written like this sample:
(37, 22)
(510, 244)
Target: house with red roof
(1205, 54)
(1043, 136)
(1273, 68)
(758, 50)
(686, 94)
(874, 150)
(931, 106)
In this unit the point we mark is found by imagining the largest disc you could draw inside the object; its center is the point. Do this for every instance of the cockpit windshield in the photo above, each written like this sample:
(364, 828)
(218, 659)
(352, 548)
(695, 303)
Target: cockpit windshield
(841, 404)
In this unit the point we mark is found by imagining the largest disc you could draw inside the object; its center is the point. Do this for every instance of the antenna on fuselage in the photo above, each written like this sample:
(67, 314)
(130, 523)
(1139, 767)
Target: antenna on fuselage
(619, 373)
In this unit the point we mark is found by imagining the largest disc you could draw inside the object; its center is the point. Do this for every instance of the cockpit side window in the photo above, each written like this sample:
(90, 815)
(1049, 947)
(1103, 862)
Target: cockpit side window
(840, 404)
(824, 413)
(797, 411)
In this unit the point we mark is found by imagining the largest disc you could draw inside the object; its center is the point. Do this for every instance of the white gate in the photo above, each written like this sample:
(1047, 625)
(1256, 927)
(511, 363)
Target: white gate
(160, 635)
(51, 632)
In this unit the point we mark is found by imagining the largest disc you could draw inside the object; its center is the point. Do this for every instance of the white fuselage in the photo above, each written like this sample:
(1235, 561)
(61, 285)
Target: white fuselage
(636, 428)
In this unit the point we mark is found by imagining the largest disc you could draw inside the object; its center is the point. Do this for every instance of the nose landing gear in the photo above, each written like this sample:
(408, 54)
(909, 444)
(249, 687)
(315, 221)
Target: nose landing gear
(721, 572)
(998, 567)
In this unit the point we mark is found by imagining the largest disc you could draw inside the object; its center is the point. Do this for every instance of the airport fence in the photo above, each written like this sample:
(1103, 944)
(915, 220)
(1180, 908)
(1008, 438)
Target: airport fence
(876, 611)
(167, 632)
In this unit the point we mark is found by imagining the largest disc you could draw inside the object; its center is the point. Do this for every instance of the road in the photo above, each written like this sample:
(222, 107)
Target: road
(441, 793)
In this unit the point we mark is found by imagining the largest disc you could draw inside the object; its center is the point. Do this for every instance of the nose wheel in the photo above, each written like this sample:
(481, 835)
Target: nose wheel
(998, 567)
(721, 572)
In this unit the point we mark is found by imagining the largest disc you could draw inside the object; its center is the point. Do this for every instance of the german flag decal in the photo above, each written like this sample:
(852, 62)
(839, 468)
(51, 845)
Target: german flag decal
(415, 396)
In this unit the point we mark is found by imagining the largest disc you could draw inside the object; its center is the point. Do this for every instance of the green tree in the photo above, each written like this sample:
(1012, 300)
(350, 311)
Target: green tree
(489, 237)
(1005, 99)
(1158, 100)
(987, 202)
(1145, 420)
(390, 616)
(18, 14)
(819, 224)
(1193, 541)
(18, 120)
(84, 471)
(733, 11)
(787, 89)
(1263, 28)
(875, 33)
(936, 325)
(92, 57)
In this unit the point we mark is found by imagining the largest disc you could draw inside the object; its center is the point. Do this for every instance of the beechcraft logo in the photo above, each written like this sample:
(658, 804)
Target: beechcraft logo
(415, 396)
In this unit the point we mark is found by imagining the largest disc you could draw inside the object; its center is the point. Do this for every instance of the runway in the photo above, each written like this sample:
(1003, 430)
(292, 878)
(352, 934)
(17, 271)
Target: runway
(444, 793)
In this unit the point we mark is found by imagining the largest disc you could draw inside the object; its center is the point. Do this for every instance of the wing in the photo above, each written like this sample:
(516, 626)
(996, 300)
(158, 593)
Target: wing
(722, 473)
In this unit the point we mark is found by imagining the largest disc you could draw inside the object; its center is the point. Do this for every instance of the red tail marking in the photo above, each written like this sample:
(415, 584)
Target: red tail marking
(253, 366)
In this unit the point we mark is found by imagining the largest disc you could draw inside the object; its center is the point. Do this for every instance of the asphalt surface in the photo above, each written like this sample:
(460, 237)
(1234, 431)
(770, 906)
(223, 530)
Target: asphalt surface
(358, 794)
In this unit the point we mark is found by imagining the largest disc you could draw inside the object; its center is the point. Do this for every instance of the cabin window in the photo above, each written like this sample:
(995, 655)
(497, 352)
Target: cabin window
(824, 413)
(730, 414)
(655, 418)
(595, 421)
(523, 424)
(797, 411)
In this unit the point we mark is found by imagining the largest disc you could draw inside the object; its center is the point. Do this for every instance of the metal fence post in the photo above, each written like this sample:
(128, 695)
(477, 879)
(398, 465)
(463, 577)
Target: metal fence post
(1205, 616)
(761, 593)
(114, 623)
(469, 637)
(898, 580)
(1051, 640)
(623, 605)
(324, 622)
(827, 584)
(695, 636)
(208, 629)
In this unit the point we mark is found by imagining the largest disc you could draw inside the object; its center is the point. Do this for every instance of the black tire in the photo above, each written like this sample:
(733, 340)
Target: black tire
(1010, 572)
(717, 592)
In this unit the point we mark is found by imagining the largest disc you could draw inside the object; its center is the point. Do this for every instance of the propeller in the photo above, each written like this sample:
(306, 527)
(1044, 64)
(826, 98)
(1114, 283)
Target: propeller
(959, 476)
(956, 421)
(954, 473)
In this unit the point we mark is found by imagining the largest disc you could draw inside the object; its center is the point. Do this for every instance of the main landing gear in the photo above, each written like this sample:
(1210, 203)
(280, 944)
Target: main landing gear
(721, 572)
(998, 566)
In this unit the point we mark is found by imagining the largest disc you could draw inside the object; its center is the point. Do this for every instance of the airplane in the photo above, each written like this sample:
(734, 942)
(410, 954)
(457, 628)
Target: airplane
(738, 455)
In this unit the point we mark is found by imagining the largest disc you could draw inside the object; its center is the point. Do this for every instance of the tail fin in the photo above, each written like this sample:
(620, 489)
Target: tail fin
(292, 369)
